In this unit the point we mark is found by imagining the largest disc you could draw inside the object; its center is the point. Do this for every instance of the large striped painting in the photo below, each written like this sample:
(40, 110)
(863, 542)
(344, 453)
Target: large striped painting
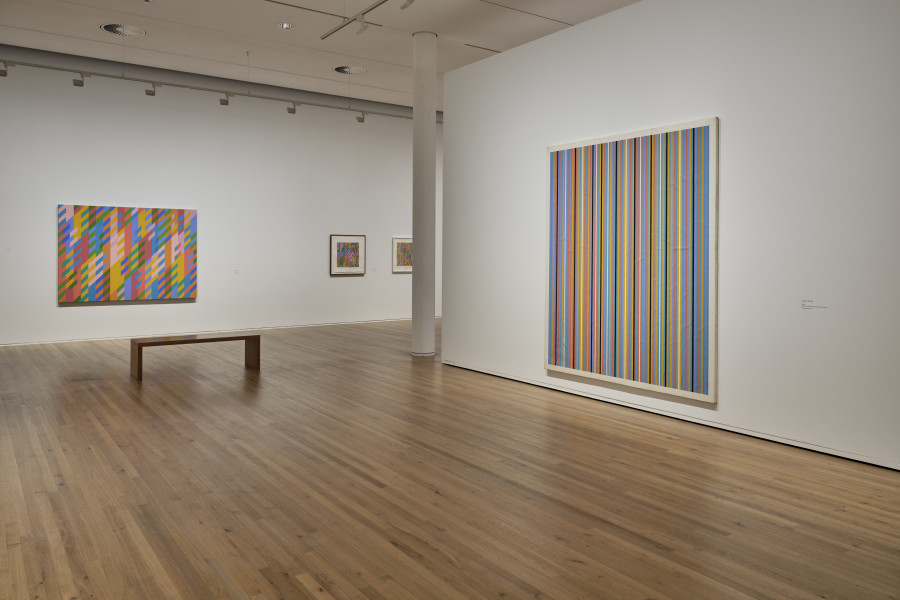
(109, 253)
(632, 259)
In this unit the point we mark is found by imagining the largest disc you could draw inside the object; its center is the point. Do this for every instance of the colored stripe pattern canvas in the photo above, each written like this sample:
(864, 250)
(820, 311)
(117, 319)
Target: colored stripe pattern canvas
(632, 260)
(108, 253)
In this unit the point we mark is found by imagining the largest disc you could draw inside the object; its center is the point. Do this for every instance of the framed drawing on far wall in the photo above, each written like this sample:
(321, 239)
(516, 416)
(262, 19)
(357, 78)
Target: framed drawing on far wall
(631, 295)
(348, 254)
(402, 248)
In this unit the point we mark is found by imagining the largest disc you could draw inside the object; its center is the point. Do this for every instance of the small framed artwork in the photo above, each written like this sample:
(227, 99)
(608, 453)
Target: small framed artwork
(348, 254)
(402, 252)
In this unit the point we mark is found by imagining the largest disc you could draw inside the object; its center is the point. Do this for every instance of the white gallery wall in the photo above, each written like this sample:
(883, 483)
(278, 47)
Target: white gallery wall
(269, 188)
(807, 93)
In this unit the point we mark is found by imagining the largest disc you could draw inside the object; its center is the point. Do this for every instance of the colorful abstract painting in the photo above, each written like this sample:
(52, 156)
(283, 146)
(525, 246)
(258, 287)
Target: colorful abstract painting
(632, 259)
(402, 255)
(109, 253)
(348, 254)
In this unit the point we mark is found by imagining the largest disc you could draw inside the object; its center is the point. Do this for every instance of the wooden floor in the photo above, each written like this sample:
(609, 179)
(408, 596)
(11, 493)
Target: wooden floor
(347, 469)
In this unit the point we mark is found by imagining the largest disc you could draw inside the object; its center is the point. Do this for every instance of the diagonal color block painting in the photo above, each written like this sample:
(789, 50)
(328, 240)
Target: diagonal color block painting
(632, 260)
(108, 253)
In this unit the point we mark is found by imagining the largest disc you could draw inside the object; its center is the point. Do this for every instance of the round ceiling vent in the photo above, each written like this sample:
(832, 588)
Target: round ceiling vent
(126, 30)
(348, 70)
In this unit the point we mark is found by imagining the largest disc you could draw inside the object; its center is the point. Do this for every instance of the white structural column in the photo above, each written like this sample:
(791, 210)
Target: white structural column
(424, 150)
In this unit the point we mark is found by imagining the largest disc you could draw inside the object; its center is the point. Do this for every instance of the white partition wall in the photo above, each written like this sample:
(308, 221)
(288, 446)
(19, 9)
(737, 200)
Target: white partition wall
(809, 284)
(269, 187)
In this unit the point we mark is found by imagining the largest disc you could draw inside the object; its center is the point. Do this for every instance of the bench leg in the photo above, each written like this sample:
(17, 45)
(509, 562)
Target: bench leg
(137, 361)
(251, 352)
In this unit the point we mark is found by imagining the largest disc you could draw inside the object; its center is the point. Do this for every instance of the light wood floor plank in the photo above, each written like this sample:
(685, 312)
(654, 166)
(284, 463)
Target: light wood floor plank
(345, 469)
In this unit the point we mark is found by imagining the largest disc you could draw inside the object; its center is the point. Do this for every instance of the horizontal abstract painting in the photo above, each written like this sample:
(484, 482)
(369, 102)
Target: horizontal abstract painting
(632, 259)
(109, 253)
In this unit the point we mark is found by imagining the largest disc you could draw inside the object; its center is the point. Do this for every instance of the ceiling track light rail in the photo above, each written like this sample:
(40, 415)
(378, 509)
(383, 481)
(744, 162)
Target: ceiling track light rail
(312, 10)
(360, 16)
(224, 101)
(362, 24)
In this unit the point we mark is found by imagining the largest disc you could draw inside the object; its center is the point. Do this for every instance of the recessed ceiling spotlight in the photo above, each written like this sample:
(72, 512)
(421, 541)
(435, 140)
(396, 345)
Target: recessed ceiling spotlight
(350, 70)
(126, 30)
(285, 25)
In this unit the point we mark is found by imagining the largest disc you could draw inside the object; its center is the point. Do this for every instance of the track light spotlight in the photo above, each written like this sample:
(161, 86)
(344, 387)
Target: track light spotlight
(151, 91)
(224, 101)
(406, 4)
(292, 109)
(361, 118)
(79, 82)
(362, 24)
(3, 71)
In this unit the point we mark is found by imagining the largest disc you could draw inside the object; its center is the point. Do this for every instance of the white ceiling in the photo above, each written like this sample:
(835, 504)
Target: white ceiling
(240, 39)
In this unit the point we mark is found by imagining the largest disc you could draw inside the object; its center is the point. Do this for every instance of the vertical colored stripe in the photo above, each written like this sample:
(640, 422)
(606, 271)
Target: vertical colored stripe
(629, 259)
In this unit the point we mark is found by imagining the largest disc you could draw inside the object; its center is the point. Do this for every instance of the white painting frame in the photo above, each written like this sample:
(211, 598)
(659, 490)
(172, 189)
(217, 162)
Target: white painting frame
(400, 262)
(348, 254)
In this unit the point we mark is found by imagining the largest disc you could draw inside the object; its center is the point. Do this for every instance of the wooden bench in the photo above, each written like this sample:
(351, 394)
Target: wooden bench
(251, 347)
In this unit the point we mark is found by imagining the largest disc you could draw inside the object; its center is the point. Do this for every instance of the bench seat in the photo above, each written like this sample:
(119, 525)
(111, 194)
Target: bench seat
(251, 347)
